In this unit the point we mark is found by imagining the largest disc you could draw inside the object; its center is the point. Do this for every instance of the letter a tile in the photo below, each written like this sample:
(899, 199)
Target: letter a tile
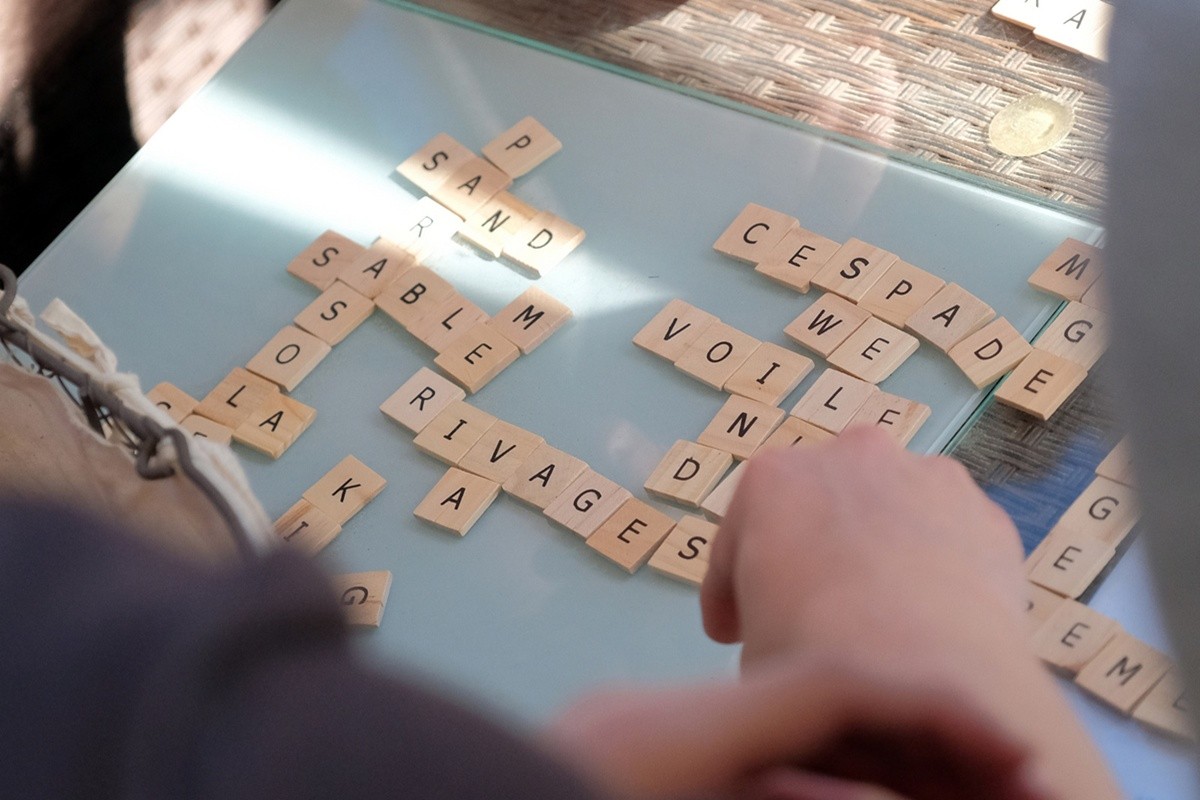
(457, 501)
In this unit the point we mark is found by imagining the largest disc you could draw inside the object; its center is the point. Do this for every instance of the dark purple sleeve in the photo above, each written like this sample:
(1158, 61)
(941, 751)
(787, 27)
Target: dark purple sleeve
(126, 674)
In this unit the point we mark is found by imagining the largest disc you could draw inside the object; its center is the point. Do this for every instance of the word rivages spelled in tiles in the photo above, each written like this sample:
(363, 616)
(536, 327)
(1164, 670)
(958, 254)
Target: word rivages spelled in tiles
(307, 527)
(741, 426)
(470, 186)
(1123, 672)
(826, 323)
(671, 330)
(175, 401)
(1078, 334)
(687, 473)
(453, 432)
(1072, 636)
(833, 400)
(430, 166)
(522, 147)
(874, 351)
(275, 425)
(1071, 562)
(335, 313)
(379, 265)
(236, 397)
(530, 319)
(586, 503)
(457, 501)
(797, 258)
(899, 417)
(990, 352)
(495, 222)
(716, 353)
(1105, 509)
(543, 242)
(1041, 383)
(1165, 707)
(500, 451)
(853, 269)
(320, 262)
(289, 357)
(477, 356)
(683, 555)
(441, 324)
(900, 292)
(769, 374)
(345, 489)
(363, 596)
(543, 475)
(421, 398)
(205, 428)
(408, 298)
(950, 316)
(754, 233)
(1069, 270)
(631, 534)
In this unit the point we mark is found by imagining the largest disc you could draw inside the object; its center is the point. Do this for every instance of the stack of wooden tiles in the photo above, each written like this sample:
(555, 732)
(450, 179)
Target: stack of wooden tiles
(1080, 26)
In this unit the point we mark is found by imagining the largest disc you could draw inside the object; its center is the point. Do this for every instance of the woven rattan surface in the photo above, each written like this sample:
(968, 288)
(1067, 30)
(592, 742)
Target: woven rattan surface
(924, 77)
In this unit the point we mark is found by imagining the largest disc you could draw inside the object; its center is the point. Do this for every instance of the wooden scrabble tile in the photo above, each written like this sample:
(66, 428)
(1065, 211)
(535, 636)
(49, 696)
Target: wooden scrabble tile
(754, 233)
(1118, 464)
(345, 489)
(673, 329)
(833, 400)
(741, 426)
(430, 166)
(586, 503)
(1165, 707)
(853, 269)
(716, 353)
(379, 265)
(476, 357)
(1040, 603)
(687, 473)
(522, 147)
(424, 228)
(363, 596)
(631, 534)
(1054, 538)
(1105, 509)
(470, 186)
(1123, 672)
(1070, 567)
(900, 292)
(543, 242)
(1069, 270)
(305, 526)
(495, 222)
(530, 319)
(769, 374)
(1040, 383)
(683, 555)
(990, 352)
(443, 323)
(275, 425)
(457, 501)
(408, 298)
(421, 398)
(797, 258)
(1096, 295)
(1026, 13)
(335, 313)
(826, 323)
(320, 262)
(949, 316)
(175, 401)
(1077, 25)
(500, 451)
(1078, 334)
(450, 434)
(795, 432)
(874, 351)
(205, 428)
(236, 397)
(543, 476)
(716, 505)
(900, 417)
(1072, 636)
(288, 357)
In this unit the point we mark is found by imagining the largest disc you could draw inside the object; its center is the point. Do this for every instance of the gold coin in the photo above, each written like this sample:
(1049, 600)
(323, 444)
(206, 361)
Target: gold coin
(1031, 125)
